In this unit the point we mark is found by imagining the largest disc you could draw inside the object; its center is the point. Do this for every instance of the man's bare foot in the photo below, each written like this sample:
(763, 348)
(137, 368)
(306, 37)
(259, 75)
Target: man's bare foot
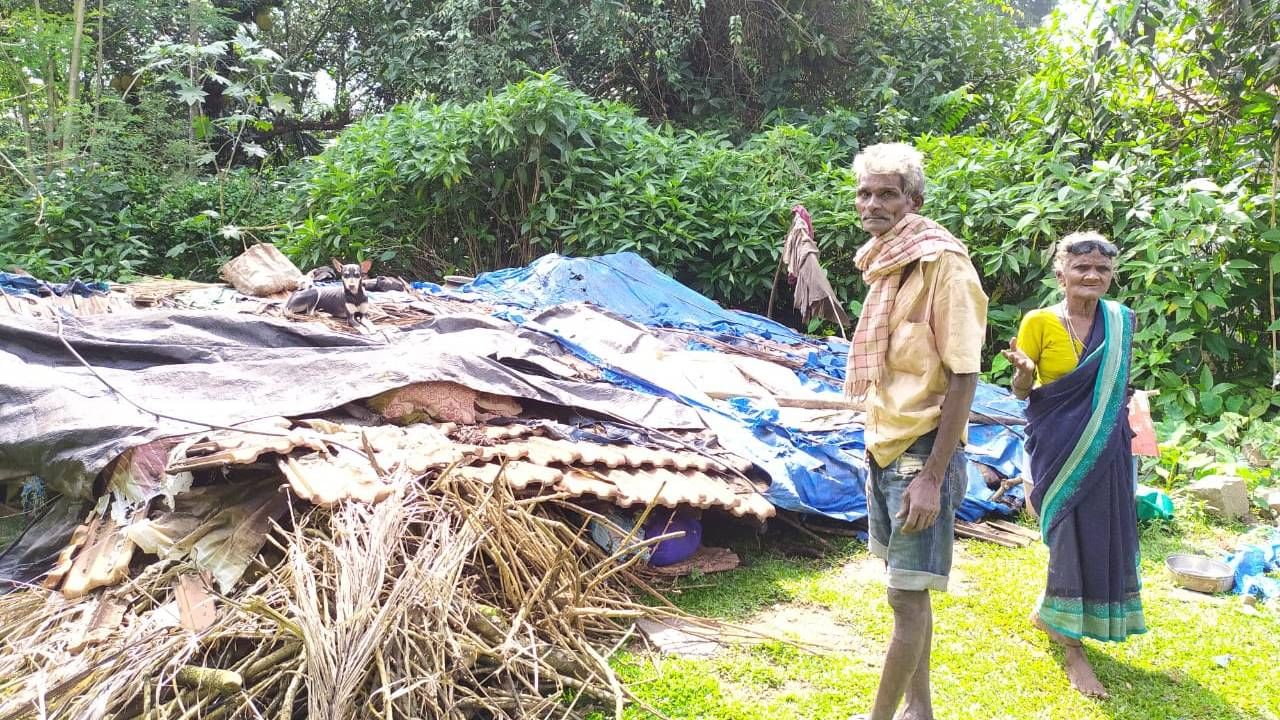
(1080, 673)
(913, 714)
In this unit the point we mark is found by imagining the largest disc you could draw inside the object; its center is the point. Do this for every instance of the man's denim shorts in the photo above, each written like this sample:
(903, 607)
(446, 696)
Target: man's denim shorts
(919, 560)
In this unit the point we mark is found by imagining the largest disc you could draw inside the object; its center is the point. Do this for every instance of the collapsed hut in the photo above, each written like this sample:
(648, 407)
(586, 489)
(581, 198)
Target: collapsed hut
(460, 513)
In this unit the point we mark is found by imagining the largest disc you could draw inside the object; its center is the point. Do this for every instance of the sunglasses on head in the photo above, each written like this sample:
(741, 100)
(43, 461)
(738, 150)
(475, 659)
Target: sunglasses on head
(1084, 247)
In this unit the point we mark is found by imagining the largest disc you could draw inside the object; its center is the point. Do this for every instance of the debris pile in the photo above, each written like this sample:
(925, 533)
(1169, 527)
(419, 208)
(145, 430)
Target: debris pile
(261, 515)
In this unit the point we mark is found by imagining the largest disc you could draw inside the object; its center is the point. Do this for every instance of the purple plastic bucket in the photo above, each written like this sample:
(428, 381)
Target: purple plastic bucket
(673, 550)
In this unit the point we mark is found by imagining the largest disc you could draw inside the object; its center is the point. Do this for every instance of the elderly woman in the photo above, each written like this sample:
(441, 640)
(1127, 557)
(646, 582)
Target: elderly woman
(1072, 361)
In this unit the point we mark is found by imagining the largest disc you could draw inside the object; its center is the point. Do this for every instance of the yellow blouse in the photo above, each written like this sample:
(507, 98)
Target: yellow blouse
(1045, 340)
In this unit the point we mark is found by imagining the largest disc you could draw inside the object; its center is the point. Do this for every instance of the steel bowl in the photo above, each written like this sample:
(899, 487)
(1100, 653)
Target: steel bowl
(1200, 573)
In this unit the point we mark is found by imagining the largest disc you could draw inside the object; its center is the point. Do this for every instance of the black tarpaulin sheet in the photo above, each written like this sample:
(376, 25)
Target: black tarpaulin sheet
(60, 422)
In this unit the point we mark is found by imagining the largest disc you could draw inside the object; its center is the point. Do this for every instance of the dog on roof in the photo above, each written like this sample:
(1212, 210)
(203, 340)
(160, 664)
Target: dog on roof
(347, 300)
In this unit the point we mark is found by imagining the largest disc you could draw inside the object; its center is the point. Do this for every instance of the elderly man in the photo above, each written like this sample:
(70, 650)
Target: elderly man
(914, 360)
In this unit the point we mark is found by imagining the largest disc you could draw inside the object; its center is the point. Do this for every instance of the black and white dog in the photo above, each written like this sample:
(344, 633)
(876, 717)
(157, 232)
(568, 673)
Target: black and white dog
(347, 300)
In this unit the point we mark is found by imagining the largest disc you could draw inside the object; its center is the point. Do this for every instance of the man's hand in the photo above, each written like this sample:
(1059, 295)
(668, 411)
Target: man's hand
(921, 501)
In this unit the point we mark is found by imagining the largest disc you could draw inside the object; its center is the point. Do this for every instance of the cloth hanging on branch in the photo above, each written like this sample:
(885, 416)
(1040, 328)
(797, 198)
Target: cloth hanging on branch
(813, 294)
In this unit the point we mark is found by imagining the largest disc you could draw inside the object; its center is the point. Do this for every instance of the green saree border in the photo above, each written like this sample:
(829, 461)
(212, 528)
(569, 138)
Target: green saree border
(1107, 622)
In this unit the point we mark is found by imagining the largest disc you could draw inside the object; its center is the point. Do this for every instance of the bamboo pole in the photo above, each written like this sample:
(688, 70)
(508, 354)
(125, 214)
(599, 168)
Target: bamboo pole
(98, 76)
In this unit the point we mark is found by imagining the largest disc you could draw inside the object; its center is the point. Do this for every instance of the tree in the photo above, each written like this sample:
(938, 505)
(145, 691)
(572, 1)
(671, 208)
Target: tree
(692, 63)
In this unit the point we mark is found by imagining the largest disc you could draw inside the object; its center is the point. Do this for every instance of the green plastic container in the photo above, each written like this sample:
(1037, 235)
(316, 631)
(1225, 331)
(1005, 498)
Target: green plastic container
(1153, 504)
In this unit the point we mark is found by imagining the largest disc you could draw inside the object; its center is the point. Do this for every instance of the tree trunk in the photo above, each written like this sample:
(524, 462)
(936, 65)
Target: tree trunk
(51, 95)
(73, 83)
(193, 109)
(98, 75)
(25, 113)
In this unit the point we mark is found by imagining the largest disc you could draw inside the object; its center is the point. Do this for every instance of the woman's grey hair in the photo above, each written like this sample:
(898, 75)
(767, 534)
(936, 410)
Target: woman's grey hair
(1063, 250)
(893, 159)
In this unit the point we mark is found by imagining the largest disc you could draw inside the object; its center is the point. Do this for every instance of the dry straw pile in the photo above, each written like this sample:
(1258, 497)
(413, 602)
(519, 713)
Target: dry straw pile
(447, 600)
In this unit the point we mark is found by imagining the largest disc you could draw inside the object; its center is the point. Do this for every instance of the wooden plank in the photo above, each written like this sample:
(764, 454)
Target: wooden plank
(978, 535)
(804, 403)
(823, 403)
(1015, 529)
(981, 532)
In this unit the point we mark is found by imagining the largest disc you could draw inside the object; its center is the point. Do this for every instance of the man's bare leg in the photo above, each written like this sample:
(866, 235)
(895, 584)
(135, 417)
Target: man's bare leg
(919, 700)
(1079, 671)
(912, 632)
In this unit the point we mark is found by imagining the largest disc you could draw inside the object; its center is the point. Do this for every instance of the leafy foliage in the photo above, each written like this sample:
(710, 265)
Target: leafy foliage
(1189, 267)
(722, 64)
(107, 224)
(1152, 129)
(541, 167)
(234, 102)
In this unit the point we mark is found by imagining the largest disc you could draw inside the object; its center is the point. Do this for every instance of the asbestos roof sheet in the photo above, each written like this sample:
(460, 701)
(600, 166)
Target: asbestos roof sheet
(631, 486)
(338, 467)
(33, 306)
(635, 486)
(98, 555)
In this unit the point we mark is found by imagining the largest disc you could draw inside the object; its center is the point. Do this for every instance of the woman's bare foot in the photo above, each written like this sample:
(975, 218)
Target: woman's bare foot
(1054, 635)
(1080, 673)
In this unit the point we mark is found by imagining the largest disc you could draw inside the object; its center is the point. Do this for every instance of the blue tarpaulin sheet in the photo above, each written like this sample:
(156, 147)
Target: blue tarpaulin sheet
(815, 472)
(15, 284)
(626, 285)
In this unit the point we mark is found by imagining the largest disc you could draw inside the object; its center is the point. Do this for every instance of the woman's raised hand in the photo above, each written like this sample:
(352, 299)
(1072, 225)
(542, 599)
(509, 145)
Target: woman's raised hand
(1024, 375)
(1023, 364)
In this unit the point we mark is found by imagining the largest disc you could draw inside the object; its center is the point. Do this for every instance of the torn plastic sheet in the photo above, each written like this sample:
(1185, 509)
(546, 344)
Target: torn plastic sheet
(1251, 564)
(810, 472)
(1003, 449)
(33, 552)
(138, 475)
(826, 473)
(220, 527)
(629, 287)
(977, 502)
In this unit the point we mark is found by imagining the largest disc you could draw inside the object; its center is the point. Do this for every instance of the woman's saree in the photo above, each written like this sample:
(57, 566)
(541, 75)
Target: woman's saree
(1078, 437)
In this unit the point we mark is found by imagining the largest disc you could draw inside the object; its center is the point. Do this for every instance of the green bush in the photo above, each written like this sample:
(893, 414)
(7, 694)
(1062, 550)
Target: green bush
(114, 225)
(1190, 265)
(431, 189)
(80, 224)
(195, 225)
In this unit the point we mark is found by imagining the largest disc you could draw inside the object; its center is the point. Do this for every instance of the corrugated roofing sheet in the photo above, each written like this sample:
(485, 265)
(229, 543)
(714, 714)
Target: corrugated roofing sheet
(337, 467)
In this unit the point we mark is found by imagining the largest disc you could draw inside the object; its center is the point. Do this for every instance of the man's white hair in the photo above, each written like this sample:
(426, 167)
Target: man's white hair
(893, 159)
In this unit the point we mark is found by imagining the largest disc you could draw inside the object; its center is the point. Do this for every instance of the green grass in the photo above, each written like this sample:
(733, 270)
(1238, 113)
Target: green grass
(987, 660)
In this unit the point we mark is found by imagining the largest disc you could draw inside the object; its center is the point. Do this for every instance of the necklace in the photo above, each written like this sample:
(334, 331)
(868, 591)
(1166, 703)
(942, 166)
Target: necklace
(1071, 330)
